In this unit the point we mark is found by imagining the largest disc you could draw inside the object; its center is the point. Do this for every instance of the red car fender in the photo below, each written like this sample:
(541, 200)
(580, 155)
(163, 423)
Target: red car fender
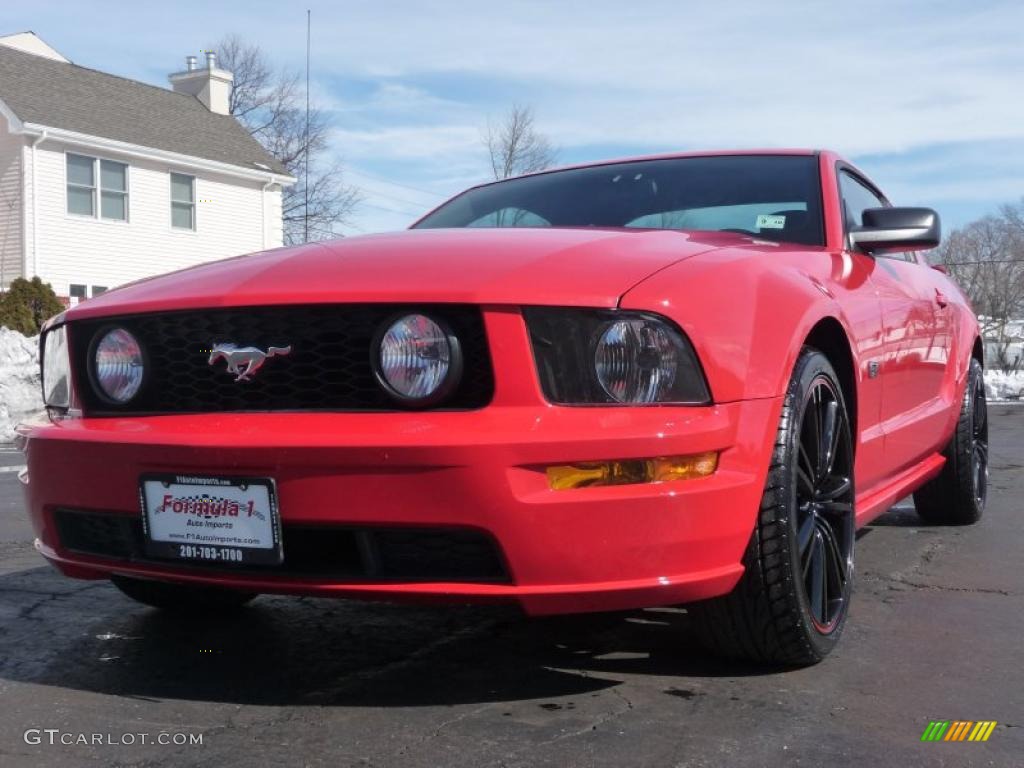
(747, 313)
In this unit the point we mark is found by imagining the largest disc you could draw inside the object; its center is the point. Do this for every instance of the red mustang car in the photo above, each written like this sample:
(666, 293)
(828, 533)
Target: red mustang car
(681, 379)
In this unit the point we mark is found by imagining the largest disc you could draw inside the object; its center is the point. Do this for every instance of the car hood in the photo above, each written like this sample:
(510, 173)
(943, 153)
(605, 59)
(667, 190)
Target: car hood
(568, 267)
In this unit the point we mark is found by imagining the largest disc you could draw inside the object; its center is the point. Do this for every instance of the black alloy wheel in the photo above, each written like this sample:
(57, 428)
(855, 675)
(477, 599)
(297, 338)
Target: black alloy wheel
(824, 492)
(792, 601)
(958, 494)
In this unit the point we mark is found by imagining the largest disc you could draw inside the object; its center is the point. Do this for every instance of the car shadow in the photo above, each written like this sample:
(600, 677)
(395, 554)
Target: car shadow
(293, 651)
(902, 515)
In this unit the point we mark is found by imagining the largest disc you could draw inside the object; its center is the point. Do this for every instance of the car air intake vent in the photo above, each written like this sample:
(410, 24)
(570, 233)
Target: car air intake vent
(326, 366)
(332, 552)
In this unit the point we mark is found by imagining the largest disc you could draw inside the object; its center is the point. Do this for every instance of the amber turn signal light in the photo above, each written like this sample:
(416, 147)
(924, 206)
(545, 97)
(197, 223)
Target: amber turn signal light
(632, 471)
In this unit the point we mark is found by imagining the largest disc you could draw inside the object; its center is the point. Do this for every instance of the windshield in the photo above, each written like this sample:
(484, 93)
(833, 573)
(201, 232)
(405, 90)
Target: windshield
(773, 197)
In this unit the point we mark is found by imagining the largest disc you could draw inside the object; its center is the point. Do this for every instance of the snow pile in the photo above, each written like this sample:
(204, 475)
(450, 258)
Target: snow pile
(1004, 385)
(20, 398)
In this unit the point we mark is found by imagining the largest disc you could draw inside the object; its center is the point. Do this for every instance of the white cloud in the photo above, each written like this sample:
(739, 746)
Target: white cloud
(410, 83)
(868, 76)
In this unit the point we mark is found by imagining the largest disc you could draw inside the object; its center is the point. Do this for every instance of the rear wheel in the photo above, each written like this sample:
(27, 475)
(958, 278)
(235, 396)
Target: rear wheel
(180, 597)
(957, 496)
(792, 600)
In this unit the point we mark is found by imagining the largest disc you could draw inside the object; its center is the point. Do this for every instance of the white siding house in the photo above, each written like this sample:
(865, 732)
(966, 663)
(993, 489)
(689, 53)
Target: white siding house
(105, 180)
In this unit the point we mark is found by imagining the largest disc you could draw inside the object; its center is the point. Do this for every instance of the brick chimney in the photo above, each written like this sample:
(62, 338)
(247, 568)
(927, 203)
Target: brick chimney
(211, 85)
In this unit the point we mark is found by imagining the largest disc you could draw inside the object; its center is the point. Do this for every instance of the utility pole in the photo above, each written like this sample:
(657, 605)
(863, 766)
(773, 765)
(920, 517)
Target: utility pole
(305, 183)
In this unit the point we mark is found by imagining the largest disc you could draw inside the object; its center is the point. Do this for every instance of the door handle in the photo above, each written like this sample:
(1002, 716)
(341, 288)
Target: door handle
(940, 298)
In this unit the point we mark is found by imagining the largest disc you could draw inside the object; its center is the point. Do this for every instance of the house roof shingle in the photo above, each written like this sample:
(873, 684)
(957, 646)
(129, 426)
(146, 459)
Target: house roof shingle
(60, 95)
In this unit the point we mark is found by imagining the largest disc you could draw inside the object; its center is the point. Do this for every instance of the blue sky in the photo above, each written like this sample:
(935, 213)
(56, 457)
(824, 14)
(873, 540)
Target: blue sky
(924, 96)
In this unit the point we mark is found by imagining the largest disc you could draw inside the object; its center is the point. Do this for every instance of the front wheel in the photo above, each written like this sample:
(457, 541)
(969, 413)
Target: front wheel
(181, 597)
(792, 600)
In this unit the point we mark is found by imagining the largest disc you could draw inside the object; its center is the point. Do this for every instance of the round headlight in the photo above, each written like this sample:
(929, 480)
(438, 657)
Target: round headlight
(118, 366)
(637, 360)
(418, 361)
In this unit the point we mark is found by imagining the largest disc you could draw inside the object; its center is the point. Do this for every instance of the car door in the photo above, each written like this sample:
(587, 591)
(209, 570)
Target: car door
(913, 352)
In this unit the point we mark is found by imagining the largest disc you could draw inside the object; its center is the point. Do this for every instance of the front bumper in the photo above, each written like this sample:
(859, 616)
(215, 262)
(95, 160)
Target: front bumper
(590, 549)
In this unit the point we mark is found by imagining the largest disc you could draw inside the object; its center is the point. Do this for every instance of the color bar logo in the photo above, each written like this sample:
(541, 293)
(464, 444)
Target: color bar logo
(958, 730)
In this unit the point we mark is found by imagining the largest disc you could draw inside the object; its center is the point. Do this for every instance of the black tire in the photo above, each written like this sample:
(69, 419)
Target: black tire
(791, 603)
(957, 495)
(181, 597)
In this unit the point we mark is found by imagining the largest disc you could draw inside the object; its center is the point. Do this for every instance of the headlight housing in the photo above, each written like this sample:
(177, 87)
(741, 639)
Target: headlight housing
(608, 357)
(56, 369)
(417, 359)
(116, 365)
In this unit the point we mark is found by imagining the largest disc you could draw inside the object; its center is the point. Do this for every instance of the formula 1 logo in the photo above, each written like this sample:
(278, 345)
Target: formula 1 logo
(206, 506)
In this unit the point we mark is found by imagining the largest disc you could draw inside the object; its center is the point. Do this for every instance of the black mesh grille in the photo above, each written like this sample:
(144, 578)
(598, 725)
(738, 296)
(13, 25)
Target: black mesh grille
(328, 367)
(325, 551)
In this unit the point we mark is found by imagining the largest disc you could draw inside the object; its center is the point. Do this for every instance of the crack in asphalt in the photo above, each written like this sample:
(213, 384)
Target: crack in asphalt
(590, 727)
(936, 587)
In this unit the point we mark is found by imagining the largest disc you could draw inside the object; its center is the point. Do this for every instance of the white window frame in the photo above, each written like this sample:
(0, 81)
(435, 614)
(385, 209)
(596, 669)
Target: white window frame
(97, 189)
(171, 202)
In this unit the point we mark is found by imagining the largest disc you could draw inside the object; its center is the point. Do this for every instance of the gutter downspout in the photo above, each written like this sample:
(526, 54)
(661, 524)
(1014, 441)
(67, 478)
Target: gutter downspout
(35, 212)
(263, 209)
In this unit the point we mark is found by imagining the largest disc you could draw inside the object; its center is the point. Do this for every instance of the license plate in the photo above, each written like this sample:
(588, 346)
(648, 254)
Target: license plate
(217, 520)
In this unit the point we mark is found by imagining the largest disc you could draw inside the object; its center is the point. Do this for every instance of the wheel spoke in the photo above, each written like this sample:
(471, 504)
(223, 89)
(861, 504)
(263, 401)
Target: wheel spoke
(835, 558)
(980, 411)
(828, 438)
(817, 579)
(804, 461)
(981, 449)
(840, 486)
(804, 536)
(804, 483)
(819, 470)
(836, 507)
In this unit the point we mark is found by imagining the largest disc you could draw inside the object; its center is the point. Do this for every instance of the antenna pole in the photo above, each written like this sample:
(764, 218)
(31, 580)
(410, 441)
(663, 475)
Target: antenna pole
(305, 183)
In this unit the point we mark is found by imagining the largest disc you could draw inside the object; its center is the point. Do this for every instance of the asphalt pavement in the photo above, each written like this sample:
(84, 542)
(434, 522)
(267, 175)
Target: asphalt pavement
(936, 632)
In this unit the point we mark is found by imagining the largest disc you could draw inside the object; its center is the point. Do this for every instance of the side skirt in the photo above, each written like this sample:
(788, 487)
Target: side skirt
(877, 500)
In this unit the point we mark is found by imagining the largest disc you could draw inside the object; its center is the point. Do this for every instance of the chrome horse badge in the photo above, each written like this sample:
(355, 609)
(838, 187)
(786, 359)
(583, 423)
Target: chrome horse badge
(243, 362)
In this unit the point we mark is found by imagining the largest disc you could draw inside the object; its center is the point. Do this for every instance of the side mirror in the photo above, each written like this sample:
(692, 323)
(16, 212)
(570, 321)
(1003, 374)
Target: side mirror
(897, 229)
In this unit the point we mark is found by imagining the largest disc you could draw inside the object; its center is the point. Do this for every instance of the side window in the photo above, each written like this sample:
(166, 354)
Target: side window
(856, 197)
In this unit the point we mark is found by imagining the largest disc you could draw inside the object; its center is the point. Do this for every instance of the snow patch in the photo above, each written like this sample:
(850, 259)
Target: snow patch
(1004, 385)
(20, 397)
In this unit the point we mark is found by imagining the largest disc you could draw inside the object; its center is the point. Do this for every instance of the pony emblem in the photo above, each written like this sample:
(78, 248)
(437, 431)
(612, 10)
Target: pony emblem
(243, 362)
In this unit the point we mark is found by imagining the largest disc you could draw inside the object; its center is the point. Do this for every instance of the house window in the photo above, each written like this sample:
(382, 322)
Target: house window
(113, 190)
(77, 293)
(81, 185)
(98, 290)
(183, 201)
(82, 175)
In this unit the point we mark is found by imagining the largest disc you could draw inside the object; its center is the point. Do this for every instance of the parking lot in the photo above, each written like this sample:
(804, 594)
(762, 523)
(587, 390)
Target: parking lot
(935, 633)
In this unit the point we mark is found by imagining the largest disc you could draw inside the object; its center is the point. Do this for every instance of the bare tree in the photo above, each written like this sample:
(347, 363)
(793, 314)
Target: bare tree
(515, 146)
(986, 257)
(271, 106)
